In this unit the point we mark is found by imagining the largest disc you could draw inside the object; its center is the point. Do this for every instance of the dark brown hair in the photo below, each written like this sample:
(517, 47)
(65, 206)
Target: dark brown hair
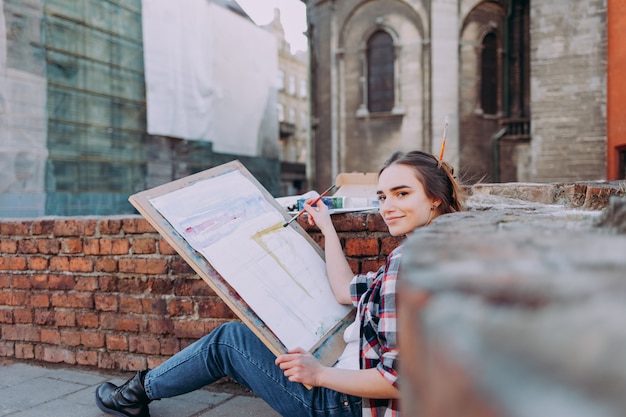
(436, 177)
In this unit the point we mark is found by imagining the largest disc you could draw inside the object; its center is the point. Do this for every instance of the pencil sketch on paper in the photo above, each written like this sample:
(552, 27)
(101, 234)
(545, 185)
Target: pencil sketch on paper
(274, 269)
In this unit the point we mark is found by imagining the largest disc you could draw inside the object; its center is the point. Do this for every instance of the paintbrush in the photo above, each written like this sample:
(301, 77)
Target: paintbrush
(443, 141)
(313, 203)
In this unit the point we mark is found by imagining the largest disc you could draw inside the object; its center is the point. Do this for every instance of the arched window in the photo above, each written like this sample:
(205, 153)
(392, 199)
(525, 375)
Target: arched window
(489, 74)
(380, 72)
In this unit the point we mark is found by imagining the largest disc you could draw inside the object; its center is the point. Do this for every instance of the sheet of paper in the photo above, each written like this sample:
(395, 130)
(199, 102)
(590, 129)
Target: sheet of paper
(275, 270)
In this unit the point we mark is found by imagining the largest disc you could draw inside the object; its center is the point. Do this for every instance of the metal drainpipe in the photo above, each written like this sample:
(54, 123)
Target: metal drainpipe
(505, 94)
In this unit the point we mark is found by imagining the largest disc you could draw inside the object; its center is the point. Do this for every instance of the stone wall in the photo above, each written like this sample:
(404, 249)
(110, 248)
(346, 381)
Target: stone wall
(514, 308)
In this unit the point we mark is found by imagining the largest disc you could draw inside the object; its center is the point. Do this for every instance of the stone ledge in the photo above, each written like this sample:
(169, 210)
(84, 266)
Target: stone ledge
(515, 307)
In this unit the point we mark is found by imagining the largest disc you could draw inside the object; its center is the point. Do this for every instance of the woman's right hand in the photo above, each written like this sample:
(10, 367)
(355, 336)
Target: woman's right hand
(319, 215)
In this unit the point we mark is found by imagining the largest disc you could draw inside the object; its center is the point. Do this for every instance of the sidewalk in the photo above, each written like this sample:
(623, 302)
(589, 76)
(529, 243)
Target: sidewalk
(32, 390)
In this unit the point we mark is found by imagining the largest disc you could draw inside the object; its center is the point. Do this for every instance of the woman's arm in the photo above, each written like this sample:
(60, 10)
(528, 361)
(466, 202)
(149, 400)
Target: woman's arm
(300, 366)
(337, 268)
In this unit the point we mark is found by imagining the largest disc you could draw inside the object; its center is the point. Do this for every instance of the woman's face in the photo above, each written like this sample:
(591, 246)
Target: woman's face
(403, 203)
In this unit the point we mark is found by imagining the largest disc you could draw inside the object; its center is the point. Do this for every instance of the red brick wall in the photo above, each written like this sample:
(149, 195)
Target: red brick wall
(108, 292)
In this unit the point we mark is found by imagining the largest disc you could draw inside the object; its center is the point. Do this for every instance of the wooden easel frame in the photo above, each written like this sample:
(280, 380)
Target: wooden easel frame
(329, 347)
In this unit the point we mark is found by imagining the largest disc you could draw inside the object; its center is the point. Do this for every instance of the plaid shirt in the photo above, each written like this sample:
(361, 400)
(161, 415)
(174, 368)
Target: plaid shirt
(374, 294)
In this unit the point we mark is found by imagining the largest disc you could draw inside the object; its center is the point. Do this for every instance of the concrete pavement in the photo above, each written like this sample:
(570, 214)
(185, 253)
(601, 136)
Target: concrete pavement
(33, 390)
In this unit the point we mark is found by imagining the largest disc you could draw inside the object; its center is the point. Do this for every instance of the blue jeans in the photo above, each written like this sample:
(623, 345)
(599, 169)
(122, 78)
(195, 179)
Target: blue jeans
(234, 350)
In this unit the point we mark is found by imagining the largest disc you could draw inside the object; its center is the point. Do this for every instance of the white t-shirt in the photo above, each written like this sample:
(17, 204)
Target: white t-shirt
(349, 359)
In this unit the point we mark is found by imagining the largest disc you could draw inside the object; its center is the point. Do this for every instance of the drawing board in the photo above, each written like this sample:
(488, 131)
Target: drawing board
(230, 230)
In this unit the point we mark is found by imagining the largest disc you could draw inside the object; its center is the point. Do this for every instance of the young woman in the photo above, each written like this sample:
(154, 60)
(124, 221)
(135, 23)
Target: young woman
(413, 189)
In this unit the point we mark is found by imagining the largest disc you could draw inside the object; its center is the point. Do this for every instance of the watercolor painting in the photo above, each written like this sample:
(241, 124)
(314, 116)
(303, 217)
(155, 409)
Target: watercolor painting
(274, 269)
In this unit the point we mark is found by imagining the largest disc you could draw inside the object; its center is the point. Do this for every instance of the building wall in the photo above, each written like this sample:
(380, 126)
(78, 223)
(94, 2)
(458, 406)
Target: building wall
(23, 123)
(568, 90)
(110, 293)
(73, 113)
(616, 90)
(551, 92)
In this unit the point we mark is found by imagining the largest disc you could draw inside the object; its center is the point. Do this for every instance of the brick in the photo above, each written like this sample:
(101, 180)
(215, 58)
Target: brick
(153, 362)
(161, 285)
(48, 246)
(37, 263)
(15, 228)
(116, 342)
(16, 298)
(388, 244)
(149, 266)
(81, 265)
(42, 227)
(92, 339)
(87, 320)
(8, 246)
(87, 358)
(165, 248)
(5, 281)
(132, 285)
(355, 266)
(71, 246)
(22, 282)
(6, 316)
(169, 346)
(74, 301)
(65, 318)
(144, 246)
(214, 307)
(56, 355)
(61, 282)
(350, 222)
(60, 264)
(106, 265)
(109, 227)
(39, 300)
(368, 265)
(107, 284)
(86, 284)
(114, 247)
(136, 226)
(70, 338)
(192, 287)
(78, 228)
(50, 336)
(20, 332)
(22, 315)
(131, 362)
(43, 317)
(178, 307)
(147, 345)
(27, 246)
(161, 326)
(39, 281)
(189, 329)
(153, 305)
(105, 302)
(130, 304)
(18, 263)
(124, 323)
(7, 349)
(375, 223)
(179, 266)
(362, 246)
(24, 351)
(91, 246)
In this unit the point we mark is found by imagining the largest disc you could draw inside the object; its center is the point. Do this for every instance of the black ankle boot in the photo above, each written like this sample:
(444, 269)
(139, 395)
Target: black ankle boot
(128, 400)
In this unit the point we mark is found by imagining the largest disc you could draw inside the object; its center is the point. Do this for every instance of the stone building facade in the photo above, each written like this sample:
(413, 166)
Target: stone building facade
(522, 84)
(293, 111)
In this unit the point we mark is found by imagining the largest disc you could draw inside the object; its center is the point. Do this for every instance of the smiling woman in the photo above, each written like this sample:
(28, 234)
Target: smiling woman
(292, 16)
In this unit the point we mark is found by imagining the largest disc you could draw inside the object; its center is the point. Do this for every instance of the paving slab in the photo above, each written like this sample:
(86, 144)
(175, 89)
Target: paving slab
(33, 390)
